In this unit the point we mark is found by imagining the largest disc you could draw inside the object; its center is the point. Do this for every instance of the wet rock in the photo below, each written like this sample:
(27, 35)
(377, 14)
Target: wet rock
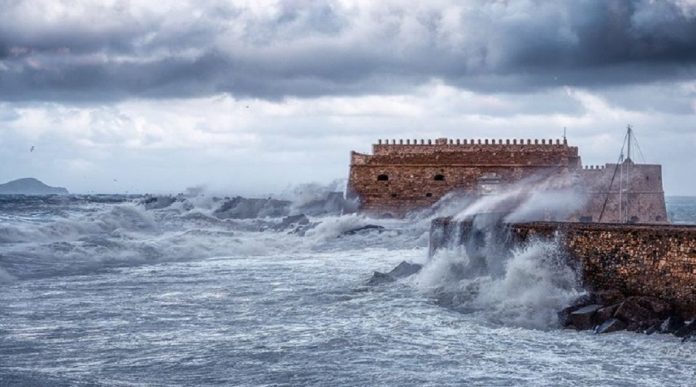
(608, 297)
(611, 325)
(687, 330)
(633, 326)
(402, 270)
(653, 329)
(363, 230)
(649, 325)
(658, 307)
(379, 278)
(584, 300)
(606, 313)
(671, 324)
(564, 315)
(405, 269)
(583, 318)
(632, 312)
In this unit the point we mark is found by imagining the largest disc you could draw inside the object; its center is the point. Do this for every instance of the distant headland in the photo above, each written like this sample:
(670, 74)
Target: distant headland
(30, 186)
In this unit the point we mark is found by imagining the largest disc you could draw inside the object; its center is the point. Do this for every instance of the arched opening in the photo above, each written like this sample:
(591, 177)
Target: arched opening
(439, 177)
(382, 178)
(428, 195)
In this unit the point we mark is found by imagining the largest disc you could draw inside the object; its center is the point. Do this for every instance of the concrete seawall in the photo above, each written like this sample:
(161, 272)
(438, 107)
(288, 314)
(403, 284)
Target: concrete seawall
(640, 260)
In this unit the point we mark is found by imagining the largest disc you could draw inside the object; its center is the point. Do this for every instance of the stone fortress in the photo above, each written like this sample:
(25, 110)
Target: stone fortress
(618, 236)
(404, 175)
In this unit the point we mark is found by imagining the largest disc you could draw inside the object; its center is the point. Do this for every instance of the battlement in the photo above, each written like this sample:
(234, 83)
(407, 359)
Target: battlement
(443, 144)
(479, 141)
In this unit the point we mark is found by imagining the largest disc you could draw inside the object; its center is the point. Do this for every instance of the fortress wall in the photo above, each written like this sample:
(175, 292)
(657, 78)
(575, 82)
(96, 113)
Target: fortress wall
(641, 200)
(419, 175)
(649, 260)
(409, 187)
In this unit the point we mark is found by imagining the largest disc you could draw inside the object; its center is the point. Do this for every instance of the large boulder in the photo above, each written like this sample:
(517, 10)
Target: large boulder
(363, 230)
(405, 269)
(379, 278)
(631, 311)
(671, 324)
(611, 325)
(581, 301)
(606, 313)
(402, 270)
(564, 316)
(583, 318)
(687, 330)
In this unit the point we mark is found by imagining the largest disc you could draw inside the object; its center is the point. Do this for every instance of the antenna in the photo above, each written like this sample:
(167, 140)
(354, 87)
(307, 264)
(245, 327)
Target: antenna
(628, 136)
(564, 133)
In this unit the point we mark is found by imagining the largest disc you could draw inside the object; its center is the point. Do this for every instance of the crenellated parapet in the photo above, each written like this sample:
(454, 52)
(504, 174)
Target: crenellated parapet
(479, 141)
(410, 146)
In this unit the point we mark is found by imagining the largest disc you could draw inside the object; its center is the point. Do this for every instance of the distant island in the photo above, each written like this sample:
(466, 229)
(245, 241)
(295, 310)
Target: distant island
(30, 186)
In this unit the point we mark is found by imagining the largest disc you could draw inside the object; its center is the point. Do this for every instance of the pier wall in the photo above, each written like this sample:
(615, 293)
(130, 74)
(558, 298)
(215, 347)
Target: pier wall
(640, 260)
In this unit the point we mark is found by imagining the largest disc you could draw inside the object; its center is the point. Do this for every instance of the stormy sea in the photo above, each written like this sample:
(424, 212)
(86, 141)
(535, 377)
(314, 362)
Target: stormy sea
(194, 289)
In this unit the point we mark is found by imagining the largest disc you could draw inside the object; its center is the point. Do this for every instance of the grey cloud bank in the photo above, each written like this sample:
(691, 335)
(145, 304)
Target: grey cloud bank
(83, 51)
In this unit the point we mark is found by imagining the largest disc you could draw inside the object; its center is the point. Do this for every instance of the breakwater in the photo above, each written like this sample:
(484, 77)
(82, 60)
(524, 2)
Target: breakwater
(637, 260)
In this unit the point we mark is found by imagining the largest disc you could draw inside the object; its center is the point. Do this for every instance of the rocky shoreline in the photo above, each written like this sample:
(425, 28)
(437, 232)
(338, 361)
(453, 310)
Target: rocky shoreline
(603, 311)
(610, 311)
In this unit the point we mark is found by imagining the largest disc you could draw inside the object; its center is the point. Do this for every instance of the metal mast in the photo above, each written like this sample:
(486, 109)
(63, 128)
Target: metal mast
(629, 135)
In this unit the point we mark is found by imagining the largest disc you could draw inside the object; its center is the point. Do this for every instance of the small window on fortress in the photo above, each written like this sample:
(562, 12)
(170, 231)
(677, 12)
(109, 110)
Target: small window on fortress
(393, 195)
(428, 195)
(439, 177)
(382, 177)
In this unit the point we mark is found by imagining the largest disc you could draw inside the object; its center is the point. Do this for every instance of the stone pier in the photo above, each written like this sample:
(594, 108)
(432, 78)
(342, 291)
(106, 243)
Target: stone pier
(638, 260)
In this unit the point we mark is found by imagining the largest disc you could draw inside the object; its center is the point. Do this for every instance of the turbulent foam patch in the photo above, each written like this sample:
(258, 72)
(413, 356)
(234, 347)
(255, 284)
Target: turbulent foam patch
(77, 236)
(533, 285)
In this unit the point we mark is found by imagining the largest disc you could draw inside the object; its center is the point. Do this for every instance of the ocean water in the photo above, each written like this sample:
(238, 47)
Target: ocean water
(101, 290)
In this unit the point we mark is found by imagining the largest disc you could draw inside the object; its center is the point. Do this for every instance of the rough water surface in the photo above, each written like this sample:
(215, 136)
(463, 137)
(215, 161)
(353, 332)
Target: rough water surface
(105, 291)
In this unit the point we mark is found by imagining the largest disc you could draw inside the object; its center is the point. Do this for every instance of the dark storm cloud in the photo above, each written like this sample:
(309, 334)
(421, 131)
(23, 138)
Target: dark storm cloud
(77, 51)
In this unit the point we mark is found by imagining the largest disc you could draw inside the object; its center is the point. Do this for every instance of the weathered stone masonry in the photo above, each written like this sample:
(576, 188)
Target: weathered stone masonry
(645, 260)
(402, 176)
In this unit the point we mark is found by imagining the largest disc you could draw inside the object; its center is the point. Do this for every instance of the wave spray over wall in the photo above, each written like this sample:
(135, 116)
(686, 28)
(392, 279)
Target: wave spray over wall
(525, 286)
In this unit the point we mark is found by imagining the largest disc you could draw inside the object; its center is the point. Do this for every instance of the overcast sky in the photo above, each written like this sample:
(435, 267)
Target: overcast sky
(251, 97)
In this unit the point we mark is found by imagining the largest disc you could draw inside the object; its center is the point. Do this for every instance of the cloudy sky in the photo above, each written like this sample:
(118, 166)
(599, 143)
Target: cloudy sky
(253, 96)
